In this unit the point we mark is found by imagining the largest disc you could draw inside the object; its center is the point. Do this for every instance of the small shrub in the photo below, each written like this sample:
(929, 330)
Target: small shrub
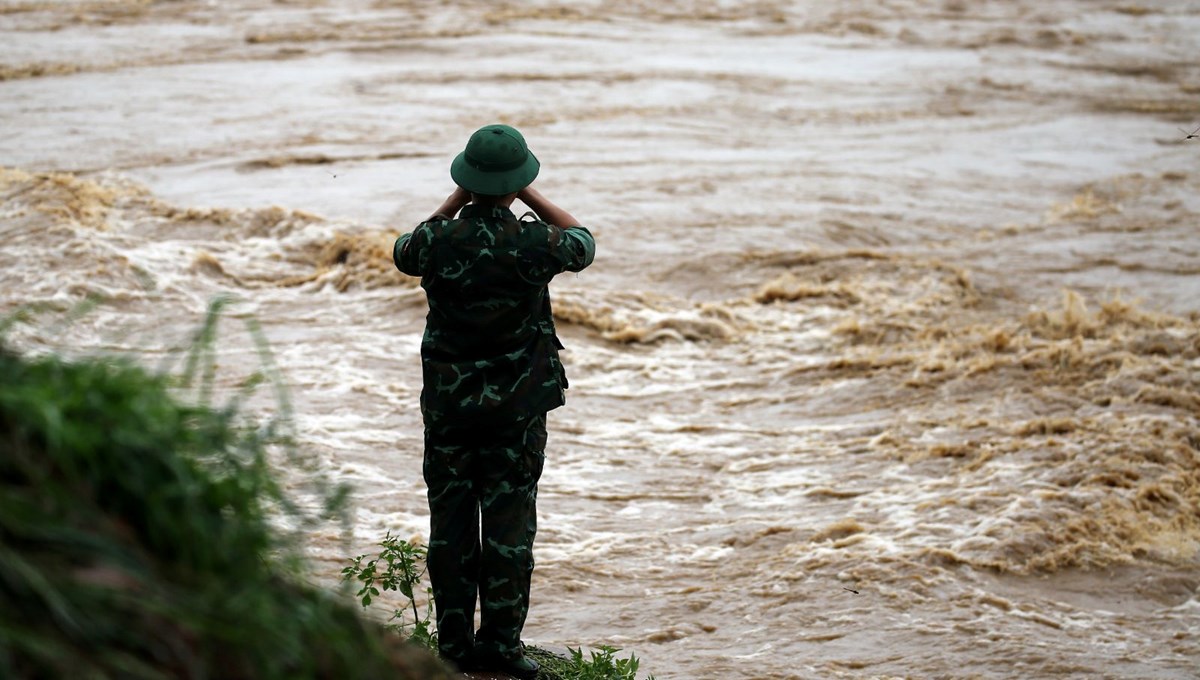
(601, 664)
(397, 568)
(400, 567)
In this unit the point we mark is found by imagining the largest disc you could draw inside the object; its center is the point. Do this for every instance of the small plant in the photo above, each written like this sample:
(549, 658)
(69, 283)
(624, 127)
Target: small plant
(398, 567)
(603, 665)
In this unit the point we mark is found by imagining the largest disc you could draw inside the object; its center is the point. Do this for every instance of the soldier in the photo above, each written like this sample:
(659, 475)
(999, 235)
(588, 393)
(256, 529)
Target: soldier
(491, 371)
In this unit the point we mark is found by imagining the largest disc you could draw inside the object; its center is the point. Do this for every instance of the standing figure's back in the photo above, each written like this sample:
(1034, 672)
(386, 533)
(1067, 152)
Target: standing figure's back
(491, 373)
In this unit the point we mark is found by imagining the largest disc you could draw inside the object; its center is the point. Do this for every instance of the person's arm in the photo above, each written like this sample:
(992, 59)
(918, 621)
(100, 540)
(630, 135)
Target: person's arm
(402, 254)
(545, 209)
(407, 251)
(450, 207)
(577, 247)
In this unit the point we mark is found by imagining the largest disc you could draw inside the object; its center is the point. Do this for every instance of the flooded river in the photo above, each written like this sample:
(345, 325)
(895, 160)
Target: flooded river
(889, 361)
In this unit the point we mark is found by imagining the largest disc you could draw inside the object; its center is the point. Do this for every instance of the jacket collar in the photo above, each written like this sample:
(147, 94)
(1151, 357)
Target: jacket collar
(475, 210)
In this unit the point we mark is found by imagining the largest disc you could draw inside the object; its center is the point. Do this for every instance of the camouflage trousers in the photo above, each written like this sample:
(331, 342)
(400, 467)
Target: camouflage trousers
(483, 517)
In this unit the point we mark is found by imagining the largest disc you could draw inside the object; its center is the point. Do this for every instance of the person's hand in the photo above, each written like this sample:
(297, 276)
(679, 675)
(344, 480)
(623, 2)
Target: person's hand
(459, 197)
(545, 208)
(453, 203)
(526, 195)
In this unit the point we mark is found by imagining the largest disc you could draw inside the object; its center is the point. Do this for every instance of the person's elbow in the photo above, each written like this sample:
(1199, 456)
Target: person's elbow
(582, 246)
(401, 255)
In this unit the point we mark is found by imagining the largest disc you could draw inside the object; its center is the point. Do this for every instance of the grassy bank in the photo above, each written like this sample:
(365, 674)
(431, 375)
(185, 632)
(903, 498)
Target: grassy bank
(135, 541)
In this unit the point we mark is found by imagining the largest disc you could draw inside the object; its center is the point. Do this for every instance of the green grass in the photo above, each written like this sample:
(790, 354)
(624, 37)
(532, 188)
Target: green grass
(600, 664)
(139, 539)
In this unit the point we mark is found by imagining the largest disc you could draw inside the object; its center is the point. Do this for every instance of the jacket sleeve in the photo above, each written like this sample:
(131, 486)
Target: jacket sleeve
(411, 251)
(576, 248)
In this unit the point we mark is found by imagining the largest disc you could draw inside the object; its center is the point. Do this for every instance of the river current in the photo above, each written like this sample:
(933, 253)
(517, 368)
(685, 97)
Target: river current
(889, 361)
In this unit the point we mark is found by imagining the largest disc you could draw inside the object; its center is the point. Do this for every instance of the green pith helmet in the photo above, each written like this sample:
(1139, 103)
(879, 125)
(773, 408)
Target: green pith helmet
(496, 162)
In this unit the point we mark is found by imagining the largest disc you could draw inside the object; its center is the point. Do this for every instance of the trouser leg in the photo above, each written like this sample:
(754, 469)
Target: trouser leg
(509, 474)
(453, 557)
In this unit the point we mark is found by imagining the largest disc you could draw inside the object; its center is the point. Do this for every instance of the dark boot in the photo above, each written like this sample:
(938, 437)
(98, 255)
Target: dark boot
(522, 667)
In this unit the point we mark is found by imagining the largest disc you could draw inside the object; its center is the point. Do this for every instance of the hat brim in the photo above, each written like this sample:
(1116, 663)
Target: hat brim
(494, 183)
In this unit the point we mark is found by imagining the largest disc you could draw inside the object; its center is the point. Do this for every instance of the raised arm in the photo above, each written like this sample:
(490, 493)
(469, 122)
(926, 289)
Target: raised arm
(545, 209)
(406, 253)
(453, 203)
(576, 248)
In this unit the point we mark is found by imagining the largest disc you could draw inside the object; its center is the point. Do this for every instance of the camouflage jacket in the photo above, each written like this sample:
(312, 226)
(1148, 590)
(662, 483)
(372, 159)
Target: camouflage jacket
(490, 353)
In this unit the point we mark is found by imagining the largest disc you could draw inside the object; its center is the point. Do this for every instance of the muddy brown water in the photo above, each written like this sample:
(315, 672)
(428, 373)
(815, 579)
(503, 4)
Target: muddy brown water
(888, 362)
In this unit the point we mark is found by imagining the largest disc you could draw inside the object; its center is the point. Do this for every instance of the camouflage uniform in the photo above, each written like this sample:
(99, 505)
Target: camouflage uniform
(491, 372)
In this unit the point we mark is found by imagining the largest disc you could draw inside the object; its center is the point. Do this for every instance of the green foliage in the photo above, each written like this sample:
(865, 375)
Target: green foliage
(602, 664)
(403, 565)
(400, 567)
(139, 535)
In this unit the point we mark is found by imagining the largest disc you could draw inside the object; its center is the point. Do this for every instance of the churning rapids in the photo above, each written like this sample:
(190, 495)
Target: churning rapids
(889, 362)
